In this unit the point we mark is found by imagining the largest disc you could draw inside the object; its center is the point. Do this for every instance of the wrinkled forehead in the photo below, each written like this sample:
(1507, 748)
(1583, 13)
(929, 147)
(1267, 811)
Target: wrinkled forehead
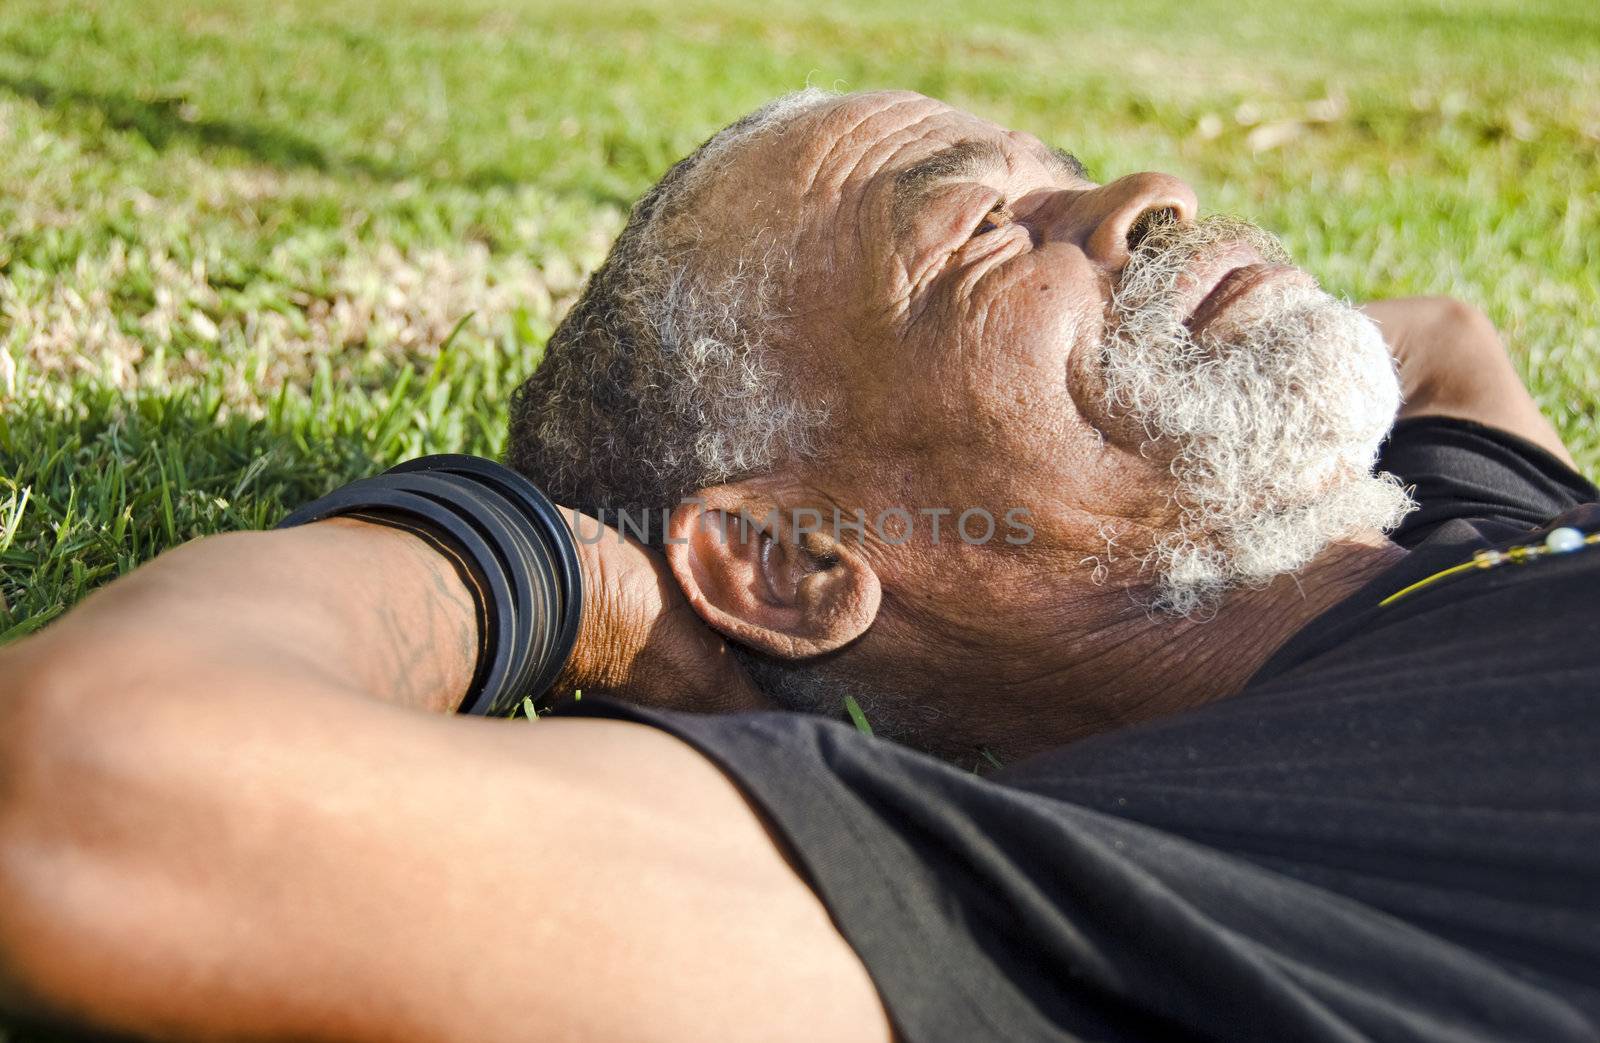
(821, 166)
(862, 136)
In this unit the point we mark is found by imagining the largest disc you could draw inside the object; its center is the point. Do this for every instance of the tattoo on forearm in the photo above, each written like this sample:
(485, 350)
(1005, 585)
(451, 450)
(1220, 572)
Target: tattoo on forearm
(429, 662)
(428, 642)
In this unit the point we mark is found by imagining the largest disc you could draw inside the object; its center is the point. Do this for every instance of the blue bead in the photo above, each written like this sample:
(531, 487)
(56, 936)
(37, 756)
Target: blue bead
(1564, 540)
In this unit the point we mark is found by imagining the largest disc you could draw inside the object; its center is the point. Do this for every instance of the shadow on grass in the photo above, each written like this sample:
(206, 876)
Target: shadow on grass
(162, 122)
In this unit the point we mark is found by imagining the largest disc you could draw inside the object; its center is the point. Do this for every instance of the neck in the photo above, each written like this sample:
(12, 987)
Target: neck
(1139, 667)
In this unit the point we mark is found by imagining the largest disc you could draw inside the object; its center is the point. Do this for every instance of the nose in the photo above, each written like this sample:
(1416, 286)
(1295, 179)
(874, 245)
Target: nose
(1111, 213)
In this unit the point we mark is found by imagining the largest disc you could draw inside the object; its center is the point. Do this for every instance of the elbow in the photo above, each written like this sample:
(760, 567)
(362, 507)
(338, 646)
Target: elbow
(35, 704)
(42, 706)
(1466, 326)
(47, 695)
(26, 843)
(1452, 361)
(68, 732)
(53, 790)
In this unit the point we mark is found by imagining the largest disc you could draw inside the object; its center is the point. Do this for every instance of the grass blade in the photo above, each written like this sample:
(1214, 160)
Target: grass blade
(853, 708)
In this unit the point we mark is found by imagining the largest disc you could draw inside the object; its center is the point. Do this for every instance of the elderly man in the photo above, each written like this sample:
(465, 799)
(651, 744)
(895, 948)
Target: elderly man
(1267, 772)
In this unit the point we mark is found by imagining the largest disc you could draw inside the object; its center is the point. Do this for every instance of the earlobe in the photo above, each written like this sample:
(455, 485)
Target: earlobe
(752, 576)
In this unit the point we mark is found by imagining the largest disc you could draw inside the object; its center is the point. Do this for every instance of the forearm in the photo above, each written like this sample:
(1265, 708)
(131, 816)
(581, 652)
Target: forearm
(264, 629)
(341, 604)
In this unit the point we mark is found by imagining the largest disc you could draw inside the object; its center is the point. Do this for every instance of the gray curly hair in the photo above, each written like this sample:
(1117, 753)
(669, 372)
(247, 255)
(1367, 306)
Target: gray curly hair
(659, 382)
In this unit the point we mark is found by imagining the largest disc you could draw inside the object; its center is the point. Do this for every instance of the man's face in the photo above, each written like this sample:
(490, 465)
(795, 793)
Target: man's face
(964, 274)
(955, 295)
(955, 298)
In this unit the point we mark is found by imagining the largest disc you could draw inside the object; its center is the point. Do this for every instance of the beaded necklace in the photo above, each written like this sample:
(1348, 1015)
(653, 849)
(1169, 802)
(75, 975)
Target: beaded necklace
(1565, 540)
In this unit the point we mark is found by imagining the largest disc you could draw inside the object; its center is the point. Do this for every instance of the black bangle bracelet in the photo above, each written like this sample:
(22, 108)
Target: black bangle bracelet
(561, 574)
(516, 545)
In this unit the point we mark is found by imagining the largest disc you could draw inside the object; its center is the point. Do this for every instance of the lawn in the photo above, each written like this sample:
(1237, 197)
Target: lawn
(250, 251)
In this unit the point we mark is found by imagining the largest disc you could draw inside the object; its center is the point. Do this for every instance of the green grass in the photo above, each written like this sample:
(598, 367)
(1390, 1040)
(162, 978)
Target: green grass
(234, 236)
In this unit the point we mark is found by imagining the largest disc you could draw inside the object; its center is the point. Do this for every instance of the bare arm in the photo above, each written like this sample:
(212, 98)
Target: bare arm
(213, 827)
(1452, 363)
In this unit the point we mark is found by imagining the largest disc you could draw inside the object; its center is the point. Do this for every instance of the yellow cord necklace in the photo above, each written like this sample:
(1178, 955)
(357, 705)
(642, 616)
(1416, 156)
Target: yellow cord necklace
(1565, 540)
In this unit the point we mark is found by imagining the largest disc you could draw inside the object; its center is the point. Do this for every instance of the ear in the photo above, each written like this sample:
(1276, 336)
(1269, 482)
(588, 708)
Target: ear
(770, 573)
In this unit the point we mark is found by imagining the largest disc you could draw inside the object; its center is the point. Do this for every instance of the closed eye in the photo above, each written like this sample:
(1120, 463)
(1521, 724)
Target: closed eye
(997, 217)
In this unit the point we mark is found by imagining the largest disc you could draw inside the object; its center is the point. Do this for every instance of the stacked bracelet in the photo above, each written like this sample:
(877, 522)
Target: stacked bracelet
(519, 554)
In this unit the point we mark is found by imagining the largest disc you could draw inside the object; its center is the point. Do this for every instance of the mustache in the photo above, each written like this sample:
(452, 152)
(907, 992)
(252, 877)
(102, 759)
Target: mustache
(1163, 250)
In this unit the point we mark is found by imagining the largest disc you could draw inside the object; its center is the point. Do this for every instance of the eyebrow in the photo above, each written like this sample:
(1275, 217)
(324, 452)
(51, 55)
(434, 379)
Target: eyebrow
(914, 184)
(1067, 163)
(964, 159)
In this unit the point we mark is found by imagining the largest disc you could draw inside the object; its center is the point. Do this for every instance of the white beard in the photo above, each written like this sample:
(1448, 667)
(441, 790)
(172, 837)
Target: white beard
(1273, 417)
